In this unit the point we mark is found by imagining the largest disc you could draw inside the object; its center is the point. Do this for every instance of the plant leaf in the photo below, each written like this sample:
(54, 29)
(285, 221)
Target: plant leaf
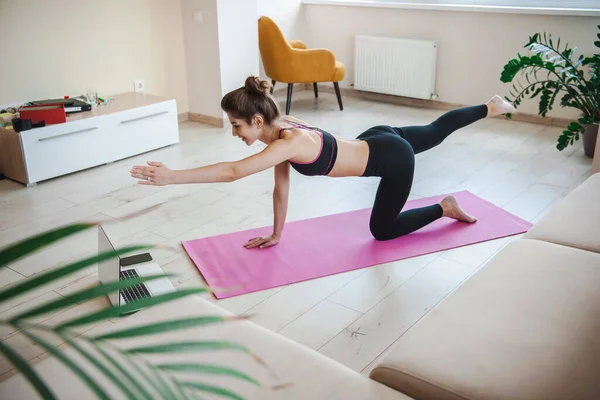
(538, 90)
(597, 43)
(158, 382)
(113, 312)
(184, 347)
(194, 395)
(70, 364)
(179, 389)
(564, 139)
(44, 278)
(21, 249)
(166, 326)
(23, 367)
(544, 102)
(212, 389)
(123, 372)
(208, 369)
(102, 368)
(574, 126)
(83, 295)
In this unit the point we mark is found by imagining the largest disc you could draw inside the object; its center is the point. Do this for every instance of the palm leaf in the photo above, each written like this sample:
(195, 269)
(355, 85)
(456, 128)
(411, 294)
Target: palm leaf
(161, 327)
(125, 369)
(184, 347)
(212, 389)
(70, 364)
(123, 372)
(83, 295)
(21, 249)
(179, 389)
(208, 369)
(156, 381)
(27, 371)
(113, 312)
(194, 395)
(44, 278)
(104, 370)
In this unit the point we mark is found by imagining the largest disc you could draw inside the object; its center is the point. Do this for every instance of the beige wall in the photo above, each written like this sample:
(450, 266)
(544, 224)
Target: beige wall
(473, 46)
(59, 47)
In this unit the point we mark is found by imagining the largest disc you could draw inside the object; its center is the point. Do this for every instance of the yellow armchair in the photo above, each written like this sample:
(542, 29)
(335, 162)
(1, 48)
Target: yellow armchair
(292, 62)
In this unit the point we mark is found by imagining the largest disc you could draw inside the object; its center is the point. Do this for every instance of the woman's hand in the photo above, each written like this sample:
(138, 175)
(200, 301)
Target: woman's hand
(262, 242)
(157, 174)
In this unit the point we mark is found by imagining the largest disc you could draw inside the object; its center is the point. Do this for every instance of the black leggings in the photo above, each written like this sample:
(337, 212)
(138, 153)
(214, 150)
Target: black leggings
(392, 157)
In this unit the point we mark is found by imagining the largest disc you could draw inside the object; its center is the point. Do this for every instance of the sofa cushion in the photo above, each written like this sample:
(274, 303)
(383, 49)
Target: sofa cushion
(525, 326)
(311, 375)
(574, 221)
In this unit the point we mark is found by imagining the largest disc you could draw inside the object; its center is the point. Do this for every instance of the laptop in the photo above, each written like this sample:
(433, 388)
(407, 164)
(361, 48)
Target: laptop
(118, 268)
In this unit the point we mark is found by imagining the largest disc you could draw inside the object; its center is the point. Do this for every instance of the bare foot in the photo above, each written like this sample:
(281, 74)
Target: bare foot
(497, 106)
(452, 210)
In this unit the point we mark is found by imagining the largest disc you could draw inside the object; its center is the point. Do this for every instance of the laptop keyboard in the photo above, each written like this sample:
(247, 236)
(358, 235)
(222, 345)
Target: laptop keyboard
(134, 292)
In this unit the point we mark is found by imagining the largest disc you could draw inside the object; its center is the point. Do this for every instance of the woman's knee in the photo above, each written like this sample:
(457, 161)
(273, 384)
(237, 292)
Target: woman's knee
(381, 232)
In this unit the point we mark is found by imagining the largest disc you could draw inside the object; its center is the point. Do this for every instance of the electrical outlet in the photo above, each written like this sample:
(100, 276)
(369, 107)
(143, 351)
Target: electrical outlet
(139, 86)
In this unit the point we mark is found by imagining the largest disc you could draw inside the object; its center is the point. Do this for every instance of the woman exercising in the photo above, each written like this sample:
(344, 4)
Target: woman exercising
(383, 151)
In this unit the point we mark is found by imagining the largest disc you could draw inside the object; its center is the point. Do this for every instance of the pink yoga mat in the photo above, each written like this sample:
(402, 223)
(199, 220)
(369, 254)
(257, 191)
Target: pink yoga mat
(322, 246)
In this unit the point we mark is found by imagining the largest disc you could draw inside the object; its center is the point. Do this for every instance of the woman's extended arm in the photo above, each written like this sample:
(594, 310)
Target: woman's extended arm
(280, 206)
(157, 174)
(280, 197)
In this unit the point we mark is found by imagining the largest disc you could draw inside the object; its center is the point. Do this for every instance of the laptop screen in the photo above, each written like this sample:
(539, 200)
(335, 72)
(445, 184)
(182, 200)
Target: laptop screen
(109, 269)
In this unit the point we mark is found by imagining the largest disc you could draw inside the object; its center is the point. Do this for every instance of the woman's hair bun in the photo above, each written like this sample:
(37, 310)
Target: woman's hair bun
(251, 99)
(257, 86)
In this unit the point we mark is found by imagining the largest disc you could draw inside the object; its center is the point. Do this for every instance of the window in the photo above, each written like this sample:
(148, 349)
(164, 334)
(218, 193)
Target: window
(572, 4)
(560, 7)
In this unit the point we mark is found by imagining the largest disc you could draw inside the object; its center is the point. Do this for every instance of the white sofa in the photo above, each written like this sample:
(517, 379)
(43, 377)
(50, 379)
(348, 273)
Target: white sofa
(526, 326)
(310, 375)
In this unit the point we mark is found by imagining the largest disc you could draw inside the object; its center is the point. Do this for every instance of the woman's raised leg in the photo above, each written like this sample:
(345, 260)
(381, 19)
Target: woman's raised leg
(425, 137)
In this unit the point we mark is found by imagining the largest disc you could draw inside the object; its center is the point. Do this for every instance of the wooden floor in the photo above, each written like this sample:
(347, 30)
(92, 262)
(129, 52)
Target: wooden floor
(351, 317)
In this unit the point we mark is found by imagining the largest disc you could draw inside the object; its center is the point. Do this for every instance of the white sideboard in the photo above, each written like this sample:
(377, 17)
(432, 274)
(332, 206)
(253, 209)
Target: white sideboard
(130, 124)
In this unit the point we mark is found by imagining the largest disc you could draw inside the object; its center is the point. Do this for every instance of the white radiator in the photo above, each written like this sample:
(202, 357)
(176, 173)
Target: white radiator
(403, 67)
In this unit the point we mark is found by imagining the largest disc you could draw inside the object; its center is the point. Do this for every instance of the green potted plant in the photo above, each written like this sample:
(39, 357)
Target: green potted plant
(553, 74)
(126, 368)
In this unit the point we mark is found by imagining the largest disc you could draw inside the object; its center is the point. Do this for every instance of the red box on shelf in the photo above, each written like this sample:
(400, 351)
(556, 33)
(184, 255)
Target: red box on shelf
(49, 113)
